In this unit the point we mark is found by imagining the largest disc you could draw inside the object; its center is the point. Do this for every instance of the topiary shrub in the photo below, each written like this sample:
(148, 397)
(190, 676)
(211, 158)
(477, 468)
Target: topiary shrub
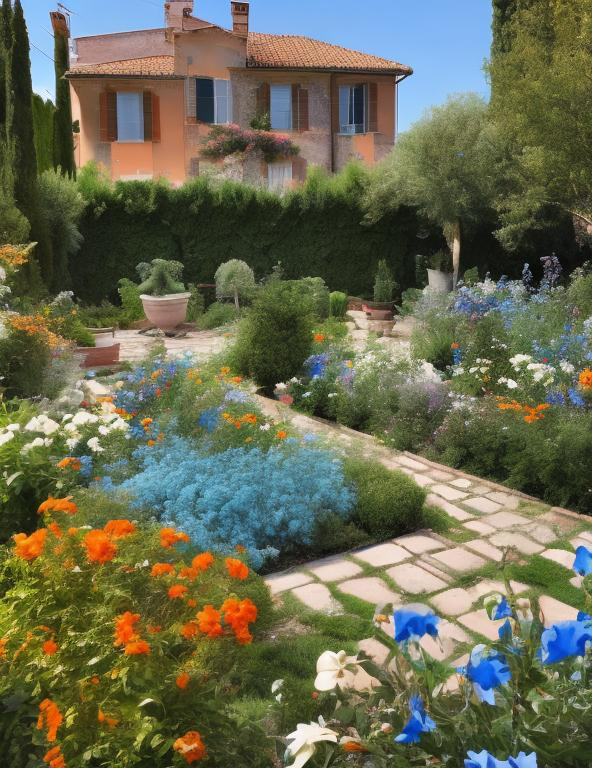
(235, 279)
(337, 304)
(160, 277)
(276, 337)
(388, 503)
(384, 283)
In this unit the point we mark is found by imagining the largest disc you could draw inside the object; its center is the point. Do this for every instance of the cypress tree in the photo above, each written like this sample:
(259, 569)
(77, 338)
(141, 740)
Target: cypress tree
(43, 125)
(24, 158)
(5, 52)
(63, 144)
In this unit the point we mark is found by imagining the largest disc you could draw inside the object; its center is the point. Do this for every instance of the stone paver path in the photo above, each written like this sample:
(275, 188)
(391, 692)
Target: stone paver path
(136, 346)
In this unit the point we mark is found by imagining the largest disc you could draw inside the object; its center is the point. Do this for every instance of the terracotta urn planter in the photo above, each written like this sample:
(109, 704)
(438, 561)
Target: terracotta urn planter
(379, 310)
(166, 312)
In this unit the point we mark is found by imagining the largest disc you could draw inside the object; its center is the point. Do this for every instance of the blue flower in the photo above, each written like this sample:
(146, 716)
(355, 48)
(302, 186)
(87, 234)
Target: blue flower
(85, 466)
(209, 419)
(505, 631)
(499, 610)
(583, 562)
(413, 625)
(565, 639)
(487, 670)
(420, 722)
(555, 398)
(576, 398)
(236, 396)
(485, 760)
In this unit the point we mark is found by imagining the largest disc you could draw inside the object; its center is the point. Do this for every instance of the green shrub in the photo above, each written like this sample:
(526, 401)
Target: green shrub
(131, 302)
(337, 304)
(234, 279)
(196, 305)
(313, 288)
(384, 283)
(276, 337)
(160, 277)
(24, 360)
(388, 503)
(216, 315)
(433, 342)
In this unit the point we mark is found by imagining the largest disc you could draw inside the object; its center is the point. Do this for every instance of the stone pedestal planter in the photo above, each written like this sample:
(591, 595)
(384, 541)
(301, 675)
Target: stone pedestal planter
(166, 312)
(440, 282)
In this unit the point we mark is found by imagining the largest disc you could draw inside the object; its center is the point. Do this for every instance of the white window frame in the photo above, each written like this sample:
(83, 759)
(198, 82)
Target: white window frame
(123, 96)
(279, 175)
(286, 90)
(350, 129)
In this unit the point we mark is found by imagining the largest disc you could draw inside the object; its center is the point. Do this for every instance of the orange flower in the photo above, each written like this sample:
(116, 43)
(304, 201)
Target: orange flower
(70, 463)
(236, 379)
(238, 614)
(50, 717)
(282, 434)
(118, 529)
(3, 644)
(202, 561)
(125, 628)
(146, 422)
(182, 680)
(72, 531)
(585, 378)
(137, 648)
(30, 547)
(58, 505)
(112, 722)
(188, 573)
(209, 621)
(155, 374)
(191, 747)
(99, 547)
(94, 680)
(353, 746)
(236, 569)
(319, 338)
(169, 537)
(177, 591)
(225, 371)
(190, 630)
(55, 529)
(153, 630)
(54, 758)
(250, 418)
(151, 443)
(50, 647)
(162, 569)
(455, 345)
(191, 603)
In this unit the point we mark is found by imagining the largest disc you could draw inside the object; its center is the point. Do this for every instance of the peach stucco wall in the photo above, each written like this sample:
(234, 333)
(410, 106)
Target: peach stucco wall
(162, 158)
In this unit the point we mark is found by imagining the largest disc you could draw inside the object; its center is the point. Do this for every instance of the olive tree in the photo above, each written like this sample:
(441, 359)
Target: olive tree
(234, 278)
(448, 165)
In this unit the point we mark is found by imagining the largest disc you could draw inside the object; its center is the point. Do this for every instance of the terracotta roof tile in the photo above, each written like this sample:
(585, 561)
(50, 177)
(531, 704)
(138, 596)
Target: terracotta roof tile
(298, 52)
(149, 66)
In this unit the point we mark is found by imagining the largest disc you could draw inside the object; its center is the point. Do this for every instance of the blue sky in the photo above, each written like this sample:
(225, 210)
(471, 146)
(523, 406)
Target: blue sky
(445, 41)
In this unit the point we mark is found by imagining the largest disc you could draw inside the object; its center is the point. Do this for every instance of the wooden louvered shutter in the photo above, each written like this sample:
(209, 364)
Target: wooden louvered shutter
(263, 99)
(372, 107)
(108, 116)
(299, 169)
(151, 116)
(299, 108)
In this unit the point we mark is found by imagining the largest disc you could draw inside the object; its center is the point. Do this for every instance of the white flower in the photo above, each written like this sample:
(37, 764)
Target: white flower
(6, 437)
(276, 687)
(13, 427)
(566, 366)
(332, 394)
(103, 430)
(265, 427)
(306, 394)
(281, 387)
(84, 417)
(519, 360)
(42, 423)
(94, 445)
(38, 442)
(304, 738)
(72, 442)
(67, 416)
(119, 424)
(331, 670)
(294, 380)
(77, 569)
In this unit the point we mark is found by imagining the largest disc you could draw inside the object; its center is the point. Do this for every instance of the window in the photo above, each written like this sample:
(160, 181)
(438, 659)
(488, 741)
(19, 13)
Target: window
(281, 107)
(213, 101)
(279, 175)
(130, 116)
(353, 108)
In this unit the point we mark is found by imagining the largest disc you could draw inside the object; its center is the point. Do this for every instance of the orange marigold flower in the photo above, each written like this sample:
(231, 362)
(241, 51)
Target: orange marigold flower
(190, 630)
(238, 614)
(191, 747)
(70, 463)
(137, 648)
(112, 722)
(236, 569)
(58, 505)
(50, 717)
(3, 644)
(162, 569)
(191, 603)
(151, 443)
(236, 379)
(242, 635)
(72, 531)
(250, 418)
(30, 547)
(50, 647)
(585, 378)
(177, 591)
(55, 529)
(54, 758)
(94, 680)
(125, 628)
(209, 621)
(182, 680)
(319, 338)
(202, 561)
(281, 434)
(99, 547)
(169, 537)
(354, 746)
(146, 422)
(188, 573)
(118, 529)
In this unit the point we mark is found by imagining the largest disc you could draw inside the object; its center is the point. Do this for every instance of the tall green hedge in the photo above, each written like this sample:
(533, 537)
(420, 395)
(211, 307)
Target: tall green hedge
(317, 230)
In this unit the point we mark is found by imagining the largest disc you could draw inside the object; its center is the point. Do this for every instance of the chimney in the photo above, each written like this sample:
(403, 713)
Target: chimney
(59, 23)
(175, 11)
(240, 18)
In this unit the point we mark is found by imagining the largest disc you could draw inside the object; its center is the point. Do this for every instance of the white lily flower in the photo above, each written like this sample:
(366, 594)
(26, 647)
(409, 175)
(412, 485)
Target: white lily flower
(13, 427)
(331, 670)
(94, 445)
(84, 417)
(304, 738)
(6, 437)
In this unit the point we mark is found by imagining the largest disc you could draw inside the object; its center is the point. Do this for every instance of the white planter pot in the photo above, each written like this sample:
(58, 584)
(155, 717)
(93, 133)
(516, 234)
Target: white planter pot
(103, 338)
(166, 312)
(440, 282)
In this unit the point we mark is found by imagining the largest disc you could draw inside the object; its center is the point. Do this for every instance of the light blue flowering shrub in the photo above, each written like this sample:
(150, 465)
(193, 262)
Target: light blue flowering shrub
(523, 701)
(268, 502)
